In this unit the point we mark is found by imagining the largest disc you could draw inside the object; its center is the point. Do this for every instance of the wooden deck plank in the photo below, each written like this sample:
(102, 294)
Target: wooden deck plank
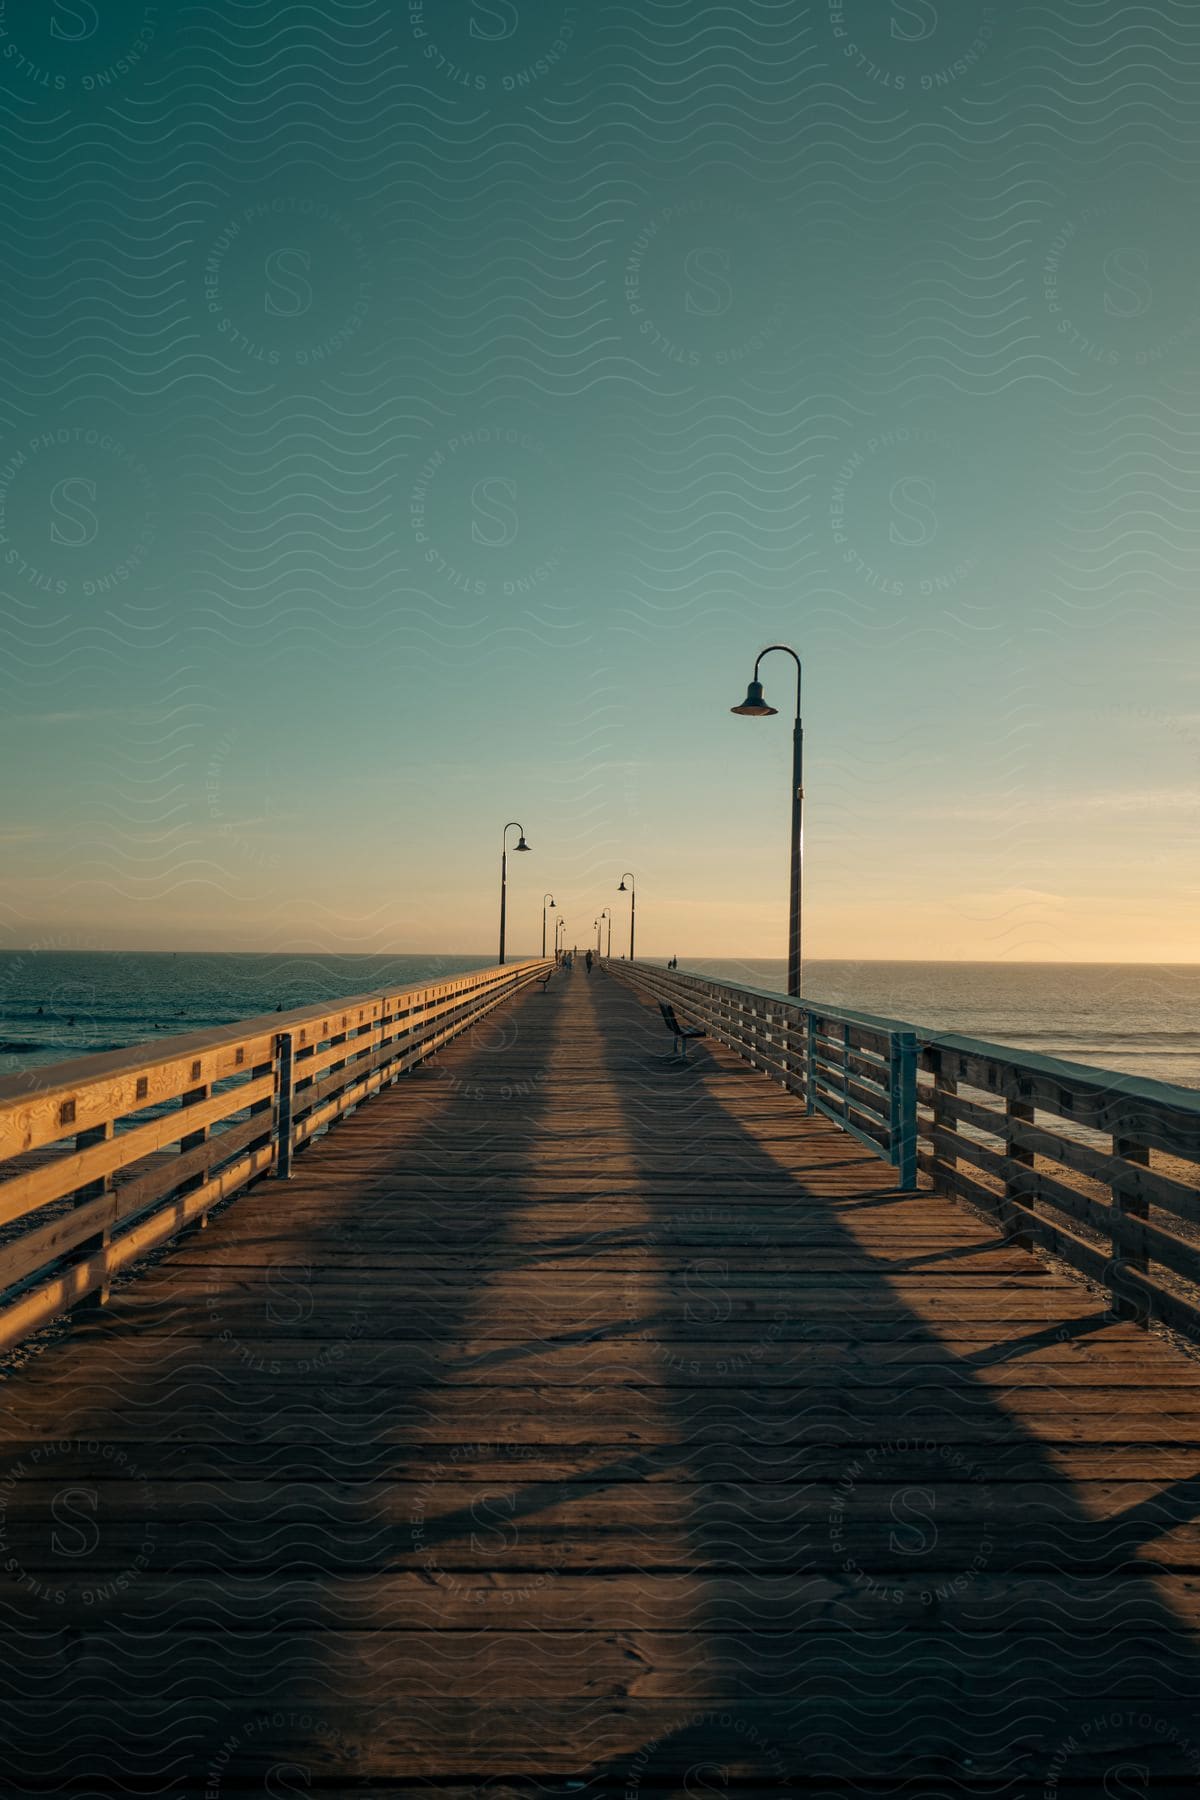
(575, 1415)
(1033, 1602)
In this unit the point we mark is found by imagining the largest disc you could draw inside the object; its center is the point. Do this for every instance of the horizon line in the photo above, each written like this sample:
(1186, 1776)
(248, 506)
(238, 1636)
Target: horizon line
(1039, 962)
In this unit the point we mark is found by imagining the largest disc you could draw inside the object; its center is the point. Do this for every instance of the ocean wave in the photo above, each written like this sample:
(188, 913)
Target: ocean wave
(90, 1018)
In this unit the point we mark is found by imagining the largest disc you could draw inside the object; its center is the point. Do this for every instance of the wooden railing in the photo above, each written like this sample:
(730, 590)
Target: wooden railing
(1100, 1169)
(856, 1069)
(105, 1158)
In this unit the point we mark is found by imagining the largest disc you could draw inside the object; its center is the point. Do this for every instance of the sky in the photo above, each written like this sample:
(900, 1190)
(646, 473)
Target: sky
(417, 418)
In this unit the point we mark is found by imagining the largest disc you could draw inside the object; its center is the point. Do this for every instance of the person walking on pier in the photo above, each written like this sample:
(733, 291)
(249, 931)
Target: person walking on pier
(588, 961)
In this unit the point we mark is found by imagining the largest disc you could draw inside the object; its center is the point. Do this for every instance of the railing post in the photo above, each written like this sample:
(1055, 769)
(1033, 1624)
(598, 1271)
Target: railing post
(262, 1106)
(300, 1100)
(1128, 1258)
(793, 1060)
(385, 1038)
(810, 1063)
(283, 1106)
(1015, 1189)
(903, 1097)
(191, 1140)
(94, 1190)
(944, 1123)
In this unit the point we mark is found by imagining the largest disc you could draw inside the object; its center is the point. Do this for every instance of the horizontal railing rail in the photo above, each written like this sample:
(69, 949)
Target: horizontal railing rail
(107, 1157)
(1101, 1169)
(854, 1068)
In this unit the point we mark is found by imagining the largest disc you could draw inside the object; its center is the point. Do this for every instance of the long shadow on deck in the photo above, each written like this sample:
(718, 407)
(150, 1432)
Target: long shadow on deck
(944, 1612)
(207, 1488)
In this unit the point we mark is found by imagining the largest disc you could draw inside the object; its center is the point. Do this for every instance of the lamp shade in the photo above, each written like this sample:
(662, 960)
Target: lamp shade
(521, 844)
(622, 889)
(754, 706)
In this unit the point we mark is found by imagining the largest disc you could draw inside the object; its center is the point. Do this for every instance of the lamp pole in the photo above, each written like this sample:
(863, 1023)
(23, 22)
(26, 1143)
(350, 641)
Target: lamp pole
(755, 707)
(560, 924)
(519, 845)
(606, 914)
(596, 923)
(550, 898)
(632, 905)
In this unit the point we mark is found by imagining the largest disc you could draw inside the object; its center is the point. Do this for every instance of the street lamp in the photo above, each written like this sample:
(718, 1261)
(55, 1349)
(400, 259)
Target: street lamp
(560, 925)
(520, 845)
(632, 906)
(608, 953)
(596, 923)
(550, 898)
(755, 707)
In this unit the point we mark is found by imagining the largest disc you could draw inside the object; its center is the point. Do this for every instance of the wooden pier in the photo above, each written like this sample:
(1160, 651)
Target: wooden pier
(577, 1419)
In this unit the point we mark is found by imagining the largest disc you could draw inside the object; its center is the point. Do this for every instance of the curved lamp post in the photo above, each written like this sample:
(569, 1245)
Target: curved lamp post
(520, 845)
(606, 914)
(755, 707)
(596, 923)
(550, 898)
(560, 925)
(632, 905)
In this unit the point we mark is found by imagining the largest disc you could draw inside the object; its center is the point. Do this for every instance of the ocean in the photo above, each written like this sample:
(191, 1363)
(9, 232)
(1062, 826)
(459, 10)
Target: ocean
(1140, 1019)
(1134, 1018)
(56, 1004)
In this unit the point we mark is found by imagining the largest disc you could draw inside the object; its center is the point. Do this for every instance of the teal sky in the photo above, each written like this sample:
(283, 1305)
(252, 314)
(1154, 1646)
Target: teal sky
(417, 418)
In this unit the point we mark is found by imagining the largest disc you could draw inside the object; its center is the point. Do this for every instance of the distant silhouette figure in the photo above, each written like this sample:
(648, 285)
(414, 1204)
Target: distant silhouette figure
(588, 960)
(279, 1008)
(41, 1012)
(70, 1021)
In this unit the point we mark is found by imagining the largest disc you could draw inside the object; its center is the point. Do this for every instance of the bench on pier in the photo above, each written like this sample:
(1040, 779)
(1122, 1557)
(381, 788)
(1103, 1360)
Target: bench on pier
(544, 980)
(680, 1033)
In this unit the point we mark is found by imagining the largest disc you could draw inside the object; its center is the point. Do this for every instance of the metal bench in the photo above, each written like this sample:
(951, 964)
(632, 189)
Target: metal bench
(544, 980)
(680, 1033)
